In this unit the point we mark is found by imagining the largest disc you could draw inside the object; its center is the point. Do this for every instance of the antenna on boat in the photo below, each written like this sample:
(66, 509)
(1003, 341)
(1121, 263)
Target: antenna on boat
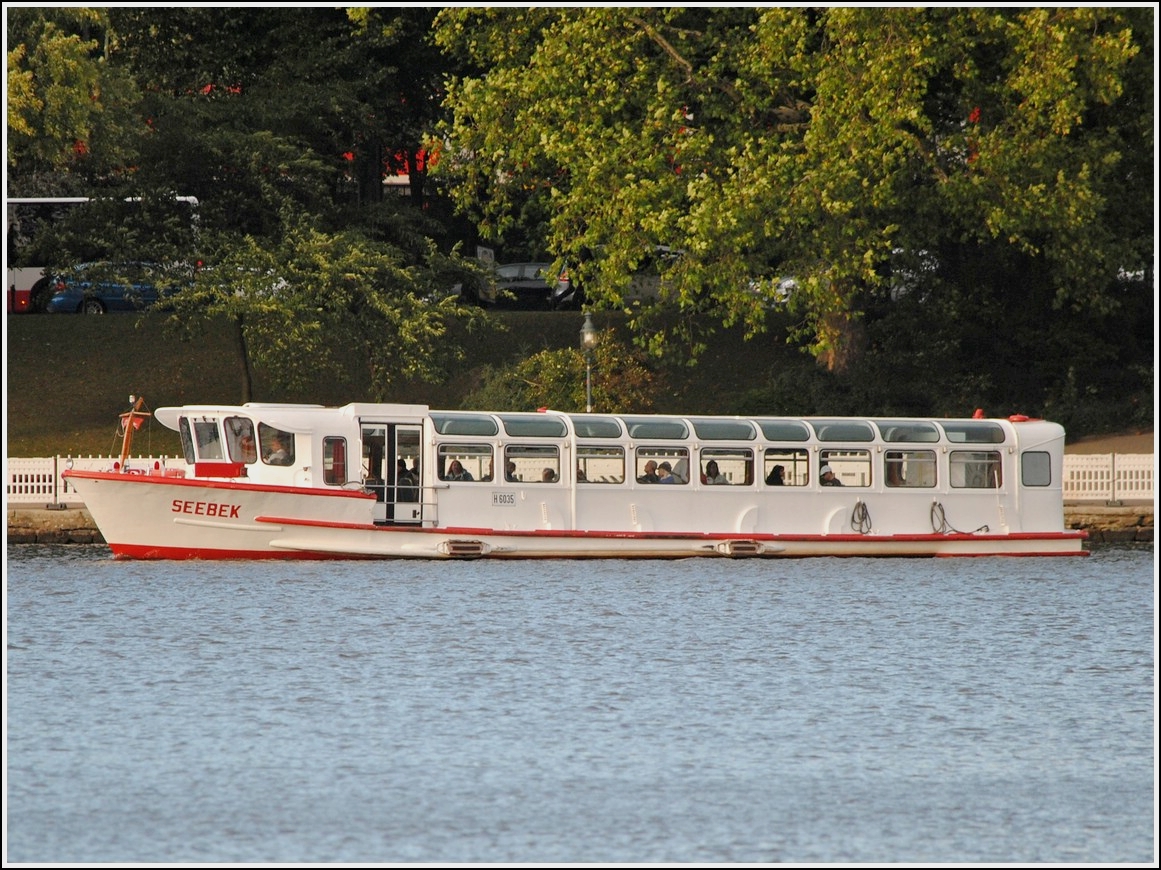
(130, 422)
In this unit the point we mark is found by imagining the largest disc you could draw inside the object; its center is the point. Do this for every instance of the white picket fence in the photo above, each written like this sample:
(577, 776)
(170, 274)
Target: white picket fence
(39, 481)
(1112, 477)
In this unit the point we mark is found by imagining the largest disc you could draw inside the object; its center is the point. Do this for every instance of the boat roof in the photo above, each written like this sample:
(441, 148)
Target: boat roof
(292, 417)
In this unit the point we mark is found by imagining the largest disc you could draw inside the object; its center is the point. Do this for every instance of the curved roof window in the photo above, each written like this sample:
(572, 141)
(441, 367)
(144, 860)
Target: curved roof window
(973, 432)
(464, 424)
(656, 427)
(724, 430)
(784, 430)
(596, 427)
(843, 430)
(533, 425)
(907, 430)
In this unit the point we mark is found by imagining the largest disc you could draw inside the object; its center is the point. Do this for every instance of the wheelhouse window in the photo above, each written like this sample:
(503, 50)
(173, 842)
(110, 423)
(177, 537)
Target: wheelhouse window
(786, 466)
(531, 463)
(912, 468)
(334, 460)
(662, 465)
(850, 467)
(465, 462)
(975, 469)
(600, 464)
(209, 441)
(187, 444)
(275, 446)
(733, 466)
(240, 439)
(1035, 468)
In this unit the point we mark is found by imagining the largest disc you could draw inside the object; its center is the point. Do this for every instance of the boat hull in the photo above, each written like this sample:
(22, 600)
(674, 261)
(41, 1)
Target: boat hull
(156, 517)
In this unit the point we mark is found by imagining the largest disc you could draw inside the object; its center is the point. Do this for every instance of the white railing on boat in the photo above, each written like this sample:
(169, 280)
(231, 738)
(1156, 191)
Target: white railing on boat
(1112, 477)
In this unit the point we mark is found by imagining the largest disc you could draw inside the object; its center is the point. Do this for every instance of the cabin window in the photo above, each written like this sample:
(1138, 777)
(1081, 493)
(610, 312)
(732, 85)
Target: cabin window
(208, 440)
(275, 446)
(843, 430)
(533, 425)
(464, 424)
(465, 462)
(724, 430)
(973, 432)
(650, 462)
(240, 440)
(600, 464)
(187, 444)
(907, 430)
(784, 430)
(850, 467)
(915, 468)
(975, 469)
(334, 460)
(1035, 468)
(596, 427)
(656, 428)
(725, 465)
(786, 466)
(531, 463)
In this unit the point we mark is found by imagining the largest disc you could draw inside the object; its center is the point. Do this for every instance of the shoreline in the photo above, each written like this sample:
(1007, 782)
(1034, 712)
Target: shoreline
(1129, 523)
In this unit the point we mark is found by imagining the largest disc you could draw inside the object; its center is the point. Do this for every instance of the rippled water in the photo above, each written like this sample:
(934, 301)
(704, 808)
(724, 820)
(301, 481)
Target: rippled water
(974, 710)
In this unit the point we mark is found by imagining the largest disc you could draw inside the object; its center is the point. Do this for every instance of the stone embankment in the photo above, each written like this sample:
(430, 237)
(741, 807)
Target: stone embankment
(1105, 524)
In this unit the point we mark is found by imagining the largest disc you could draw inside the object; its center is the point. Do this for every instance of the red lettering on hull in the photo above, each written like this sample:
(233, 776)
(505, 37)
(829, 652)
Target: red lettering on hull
(206, 509)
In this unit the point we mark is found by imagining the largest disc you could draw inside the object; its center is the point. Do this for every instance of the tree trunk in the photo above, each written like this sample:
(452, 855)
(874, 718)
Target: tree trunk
(244, 364)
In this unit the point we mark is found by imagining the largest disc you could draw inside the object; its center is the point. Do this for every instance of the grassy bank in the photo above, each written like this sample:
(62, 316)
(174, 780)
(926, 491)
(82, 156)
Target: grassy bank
(69, 378)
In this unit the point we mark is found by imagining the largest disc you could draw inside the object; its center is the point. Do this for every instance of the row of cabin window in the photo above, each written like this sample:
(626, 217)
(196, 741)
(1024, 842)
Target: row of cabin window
(274, 446)
(979, 469)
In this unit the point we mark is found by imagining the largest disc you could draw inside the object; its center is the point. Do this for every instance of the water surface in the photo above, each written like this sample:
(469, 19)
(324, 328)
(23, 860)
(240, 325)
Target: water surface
(823, 710)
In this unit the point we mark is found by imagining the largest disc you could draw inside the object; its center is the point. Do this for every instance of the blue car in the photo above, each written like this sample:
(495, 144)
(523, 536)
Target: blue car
(100, 288)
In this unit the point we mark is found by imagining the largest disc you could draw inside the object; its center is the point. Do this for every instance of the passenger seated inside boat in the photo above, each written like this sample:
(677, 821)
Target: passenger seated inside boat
(548, 476)
(455, 471)
(650, 475)
(712, 474)
(665, 473)
(407, 483)
(510, 472)
(826, 477)
(776, 477)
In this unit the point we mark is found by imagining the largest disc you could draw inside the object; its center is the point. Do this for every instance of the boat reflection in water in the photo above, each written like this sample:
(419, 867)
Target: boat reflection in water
(264, 481)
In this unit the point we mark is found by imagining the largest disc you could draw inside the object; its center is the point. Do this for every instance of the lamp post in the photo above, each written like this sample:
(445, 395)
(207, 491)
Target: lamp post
(588, 338)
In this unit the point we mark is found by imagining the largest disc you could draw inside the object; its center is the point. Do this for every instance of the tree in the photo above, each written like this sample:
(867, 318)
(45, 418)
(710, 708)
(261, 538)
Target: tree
(69, 112)
(297, 303)
(814, 143)
(622, 382)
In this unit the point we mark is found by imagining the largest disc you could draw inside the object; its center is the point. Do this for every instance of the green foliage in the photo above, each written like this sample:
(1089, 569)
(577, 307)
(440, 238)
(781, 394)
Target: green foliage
(804, 142)
(68, 109)
(621, 382)
(299, 300)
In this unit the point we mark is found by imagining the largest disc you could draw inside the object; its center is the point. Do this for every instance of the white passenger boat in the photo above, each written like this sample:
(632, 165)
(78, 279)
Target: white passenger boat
(266, 481)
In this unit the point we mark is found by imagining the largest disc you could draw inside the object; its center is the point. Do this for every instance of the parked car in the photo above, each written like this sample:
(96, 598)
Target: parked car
(100, 288)
(513, 285)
